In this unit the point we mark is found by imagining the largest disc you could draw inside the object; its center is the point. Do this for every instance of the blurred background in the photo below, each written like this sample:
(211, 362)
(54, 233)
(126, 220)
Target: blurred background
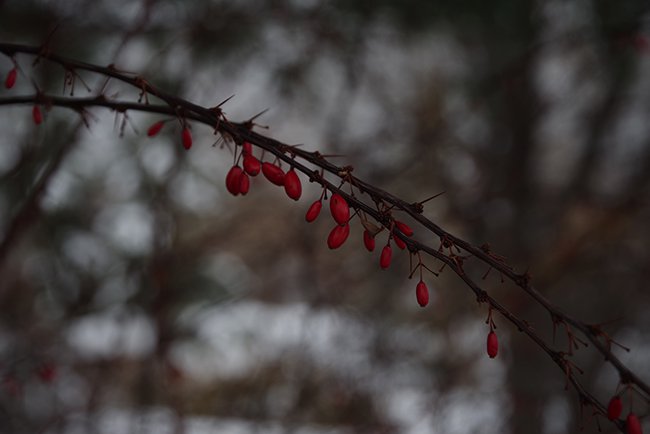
(138, 296)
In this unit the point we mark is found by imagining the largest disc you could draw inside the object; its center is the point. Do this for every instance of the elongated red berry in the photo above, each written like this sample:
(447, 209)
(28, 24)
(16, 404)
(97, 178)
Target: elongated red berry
(632, 424)
(10, 81)
(313, 211)
(338, 235)
(233, 183)
(385, 257)
(368, 240)
(339, 209)
(404, 228)
(422, 293)
(273, 173)
(252, 165)
(187, 138)
(615, 408)
(292, 185)
(37, 115)
(492, 344)
(247, 148)
(399, 243)
(155, 128)
(244, 183)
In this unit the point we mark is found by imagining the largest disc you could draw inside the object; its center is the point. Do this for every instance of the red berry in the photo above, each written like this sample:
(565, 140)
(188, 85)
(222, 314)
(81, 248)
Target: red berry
(244, 183)
(492, 344)
(339, 209)
(338, 235)
(273, 173)
(404, 228)
(187, 138)
(47, 372)
(37, 115)
(247, 148)
(313, 211)
(385, 257)
(155, 128)
(292, 185)
(10, 81)
(615, 408)
(233, 183)
(632, 424)
(368, 240)
(252, 165)
(422, 294)
(401, 244)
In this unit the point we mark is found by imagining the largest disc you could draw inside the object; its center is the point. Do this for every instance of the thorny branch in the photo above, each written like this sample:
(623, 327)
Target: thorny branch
(240, 132)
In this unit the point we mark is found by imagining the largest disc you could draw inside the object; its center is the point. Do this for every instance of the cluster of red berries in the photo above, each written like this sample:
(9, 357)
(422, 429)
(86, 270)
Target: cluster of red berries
(614, 411)
(238, 181)
(340, 211)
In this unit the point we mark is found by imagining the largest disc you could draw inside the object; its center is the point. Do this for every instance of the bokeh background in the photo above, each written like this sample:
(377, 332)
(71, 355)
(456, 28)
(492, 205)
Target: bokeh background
(136, 295)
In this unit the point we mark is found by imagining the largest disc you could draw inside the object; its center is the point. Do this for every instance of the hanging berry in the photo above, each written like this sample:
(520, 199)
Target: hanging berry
(155, 128)
(338, 235)
(615, 408)
(233, 182)
(339, 209)
(368, 240)
(422, 293)
(404, 228)
(292, 185)
(252, 165)
(244, 183)
(492, 344)
(313, 211)
(273, 173)
(37, 115)
(187, 138)
(247, 148)
(385, 257)
(632, 424)
(399, 243)
(10, 81)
